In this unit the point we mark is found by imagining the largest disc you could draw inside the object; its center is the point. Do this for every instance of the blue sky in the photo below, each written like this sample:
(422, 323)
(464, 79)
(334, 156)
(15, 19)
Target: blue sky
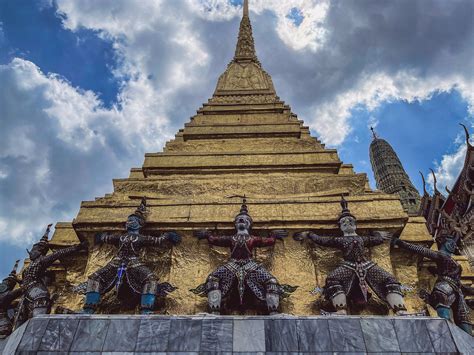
(87, 87)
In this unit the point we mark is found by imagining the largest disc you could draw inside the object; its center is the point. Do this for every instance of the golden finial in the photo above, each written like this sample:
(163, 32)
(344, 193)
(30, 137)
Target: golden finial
(246, 7)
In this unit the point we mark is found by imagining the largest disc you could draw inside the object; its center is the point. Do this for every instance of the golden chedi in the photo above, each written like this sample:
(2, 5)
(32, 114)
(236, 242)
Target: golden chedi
(243, 141)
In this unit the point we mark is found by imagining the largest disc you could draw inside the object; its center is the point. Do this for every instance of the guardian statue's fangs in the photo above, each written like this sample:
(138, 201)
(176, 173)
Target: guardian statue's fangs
(447, 293)
(36, 299)
(242, 270)
(127, 267)
(356, 274)
(7, 296)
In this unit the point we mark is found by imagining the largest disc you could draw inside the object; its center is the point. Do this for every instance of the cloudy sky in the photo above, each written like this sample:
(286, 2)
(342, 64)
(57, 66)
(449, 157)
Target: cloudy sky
(87, 87)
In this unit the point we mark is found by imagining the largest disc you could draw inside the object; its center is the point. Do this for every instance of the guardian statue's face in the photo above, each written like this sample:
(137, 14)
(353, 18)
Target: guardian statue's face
(348, 225)
(133, 224)
(36, 252)
(242, 223)
(449, 246)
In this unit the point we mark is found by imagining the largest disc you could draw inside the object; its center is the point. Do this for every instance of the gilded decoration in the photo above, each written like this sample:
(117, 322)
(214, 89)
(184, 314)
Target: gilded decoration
(243, 76)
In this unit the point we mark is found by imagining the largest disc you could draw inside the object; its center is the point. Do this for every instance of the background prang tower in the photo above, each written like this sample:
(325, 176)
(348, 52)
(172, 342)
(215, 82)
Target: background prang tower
(390, 175)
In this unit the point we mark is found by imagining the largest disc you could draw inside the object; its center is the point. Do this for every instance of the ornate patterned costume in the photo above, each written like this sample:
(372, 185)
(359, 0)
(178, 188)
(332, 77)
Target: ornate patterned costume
(7, 296)
(448, 291)
(126, 266)
(241, 266)
(36, 297)
(356, 274)
(242, 270)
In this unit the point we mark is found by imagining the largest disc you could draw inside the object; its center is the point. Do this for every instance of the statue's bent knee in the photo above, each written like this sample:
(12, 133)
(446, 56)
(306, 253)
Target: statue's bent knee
(214, 295)
(272, 296)
(212, 283)
(92, 296)
(395, 297)
(148, 296)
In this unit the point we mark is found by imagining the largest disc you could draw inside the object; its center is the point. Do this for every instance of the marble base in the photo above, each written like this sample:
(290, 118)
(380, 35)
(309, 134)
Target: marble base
(201, 334)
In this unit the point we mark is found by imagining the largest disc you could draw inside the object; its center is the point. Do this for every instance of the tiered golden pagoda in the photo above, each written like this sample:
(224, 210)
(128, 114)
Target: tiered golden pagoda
(245, 140)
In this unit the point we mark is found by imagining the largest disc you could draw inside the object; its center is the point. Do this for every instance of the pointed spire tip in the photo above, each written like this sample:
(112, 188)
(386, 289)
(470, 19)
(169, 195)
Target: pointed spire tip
(373, 132)
(246, 7)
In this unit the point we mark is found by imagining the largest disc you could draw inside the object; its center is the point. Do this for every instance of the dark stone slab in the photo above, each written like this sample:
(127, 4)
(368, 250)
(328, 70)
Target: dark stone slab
(440, 336)
(346, 335)
(249, 335)
(281, 335)
(153, 335)
(217, 335)
(14, 339)
(313, 335)
(464, 342)
(59, 335)
(185, 335)
(3, 343)
(379, 335)
(122, 335)
(33, 334)
(90, 335)
(413, 335)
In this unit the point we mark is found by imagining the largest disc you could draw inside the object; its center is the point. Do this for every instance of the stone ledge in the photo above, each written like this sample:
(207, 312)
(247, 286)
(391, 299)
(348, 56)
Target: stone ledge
(228, 334)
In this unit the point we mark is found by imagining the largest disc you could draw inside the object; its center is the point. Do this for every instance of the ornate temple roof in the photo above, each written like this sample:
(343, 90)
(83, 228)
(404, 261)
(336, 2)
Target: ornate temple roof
(454, 214)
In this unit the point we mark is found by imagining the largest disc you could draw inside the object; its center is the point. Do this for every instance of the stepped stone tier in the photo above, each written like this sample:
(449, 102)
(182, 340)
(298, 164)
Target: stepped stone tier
(244, 140)
(230, 334)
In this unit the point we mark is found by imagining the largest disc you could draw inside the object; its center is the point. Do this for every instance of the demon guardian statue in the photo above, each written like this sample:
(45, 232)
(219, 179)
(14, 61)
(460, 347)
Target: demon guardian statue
(7, 296)
(126, 267)
(36, 299)
(356, 273)
(447, 292)
(242, 270)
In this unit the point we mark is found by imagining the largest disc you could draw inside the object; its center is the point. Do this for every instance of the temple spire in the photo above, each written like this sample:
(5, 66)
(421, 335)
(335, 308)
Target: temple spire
(390, 174)
(245, 49)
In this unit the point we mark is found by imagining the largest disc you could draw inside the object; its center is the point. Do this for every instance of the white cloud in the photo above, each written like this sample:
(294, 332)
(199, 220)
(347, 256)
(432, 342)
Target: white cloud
(53, 137)
(332, 118)
(448, 169)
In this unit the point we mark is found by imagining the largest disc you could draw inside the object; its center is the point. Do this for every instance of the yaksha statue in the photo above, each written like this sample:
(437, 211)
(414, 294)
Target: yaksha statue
(448, 291)
(356, 274)
(7, 296)
(242, 270)
(36, 298)
(126, 268)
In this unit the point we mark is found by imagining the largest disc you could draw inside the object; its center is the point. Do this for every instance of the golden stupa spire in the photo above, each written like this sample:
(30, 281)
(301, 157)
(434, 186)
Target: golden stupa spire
(245, 49)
